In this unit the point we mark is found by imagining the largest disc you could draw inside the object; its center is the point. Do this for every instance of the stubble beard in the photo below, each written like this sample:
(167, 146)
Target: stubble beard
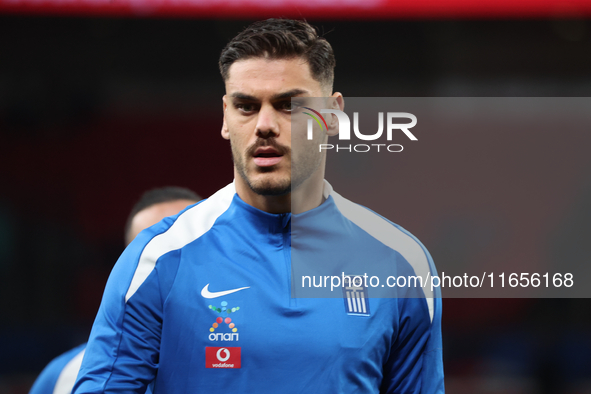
(271, 186)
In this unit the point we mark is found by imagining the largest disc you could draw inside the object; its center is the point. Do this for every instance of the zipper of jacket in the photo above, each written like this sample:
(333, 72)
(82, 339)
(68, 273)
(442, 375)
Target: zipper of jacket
(286, 233)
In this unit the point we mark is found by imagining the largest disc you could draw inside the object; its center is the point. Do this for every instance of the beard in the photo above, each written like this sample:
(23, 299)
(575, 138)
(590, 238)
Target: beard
(273, 185)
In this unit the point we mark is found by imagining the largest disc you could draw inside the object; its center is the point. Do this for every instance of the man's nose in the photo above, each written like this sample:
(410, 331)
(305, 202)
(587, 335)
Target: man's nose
(267, 122)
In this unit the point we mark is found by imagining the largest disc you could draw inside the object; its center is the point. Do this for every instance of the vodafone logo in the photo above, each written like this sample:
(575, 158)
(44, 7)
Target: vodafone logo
(219, 354)
(222, 357)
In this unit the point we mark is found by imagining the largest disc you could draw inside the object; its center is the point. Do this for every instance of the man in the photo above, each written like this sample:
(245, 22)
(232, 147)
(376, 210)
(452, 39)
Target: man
(59, 375)
(204, 304)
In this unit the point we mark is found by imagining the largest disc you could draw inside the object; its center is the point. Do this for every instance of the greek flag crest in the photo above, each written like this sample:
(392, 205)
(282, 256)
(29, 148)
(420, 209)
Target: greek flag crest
(355, 296)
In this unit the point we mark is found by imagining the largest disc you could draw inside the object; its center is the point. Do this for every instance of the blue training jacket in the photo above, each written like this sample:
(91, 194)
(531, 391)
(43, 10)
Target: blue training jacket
(59, 375)
(202, 302)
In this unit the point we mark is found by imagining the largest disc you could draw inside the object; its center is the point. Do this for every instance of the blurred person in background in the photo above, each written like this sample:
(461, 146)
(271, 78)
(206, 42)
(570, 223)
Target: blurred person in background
(59, 375)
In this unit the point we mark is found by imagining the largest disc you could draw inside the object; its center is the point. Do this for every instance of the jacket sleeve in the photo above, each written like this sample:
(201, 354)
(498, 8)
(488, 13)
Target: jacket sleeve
(415, 362)
(123, 349)
(432, 372)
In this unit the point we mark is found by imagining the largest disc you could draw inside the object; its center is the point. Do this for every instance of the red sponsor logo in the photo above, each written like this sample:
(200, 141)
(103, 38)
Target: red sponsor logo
(222, 357)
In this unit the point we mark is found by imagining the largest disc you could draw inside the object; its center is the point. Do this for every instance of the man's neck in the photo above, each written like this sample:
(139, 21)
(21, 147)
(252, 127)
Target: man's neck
(308, 195)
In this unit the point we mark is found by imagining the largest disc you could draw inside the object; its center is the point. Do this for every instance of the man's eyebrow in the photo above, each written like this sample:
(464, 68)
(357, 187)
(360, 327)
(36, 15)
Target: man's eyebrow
(279, 96)
(242, 96)
(291, 93)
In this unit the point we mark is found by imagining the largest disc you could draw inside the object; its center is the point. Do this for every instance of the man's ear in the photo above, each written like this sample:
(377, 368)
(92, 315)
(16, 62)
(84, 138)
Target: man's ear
(336, 101)
(225, 131)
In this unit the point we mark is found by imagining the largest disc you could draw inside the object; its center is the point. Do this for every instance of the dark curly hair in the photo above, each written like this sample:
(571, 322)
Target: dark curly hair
(282, 39)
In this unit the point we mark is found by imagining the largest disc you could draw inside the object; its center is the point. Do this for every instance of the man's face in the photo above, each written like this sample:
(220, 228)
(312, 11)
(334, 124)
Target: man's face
(257, 121)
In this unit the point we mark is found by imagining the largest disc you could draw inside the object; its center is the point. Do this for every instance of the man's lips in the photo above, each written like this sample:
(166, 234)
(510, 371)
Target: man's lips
(267, 161)
(267, 156)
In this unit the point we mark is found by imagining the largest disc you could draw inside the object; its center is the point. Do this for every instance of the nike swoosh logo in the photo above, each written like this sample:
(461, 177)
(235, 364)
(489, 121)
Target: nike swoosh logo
(208, 294)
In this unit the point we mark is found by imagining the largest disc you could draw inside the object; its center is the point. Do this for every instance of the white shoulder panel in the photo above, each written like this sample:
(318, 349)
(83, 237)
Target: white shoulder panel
(389, 235)
(189, 226)
(65, 382)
